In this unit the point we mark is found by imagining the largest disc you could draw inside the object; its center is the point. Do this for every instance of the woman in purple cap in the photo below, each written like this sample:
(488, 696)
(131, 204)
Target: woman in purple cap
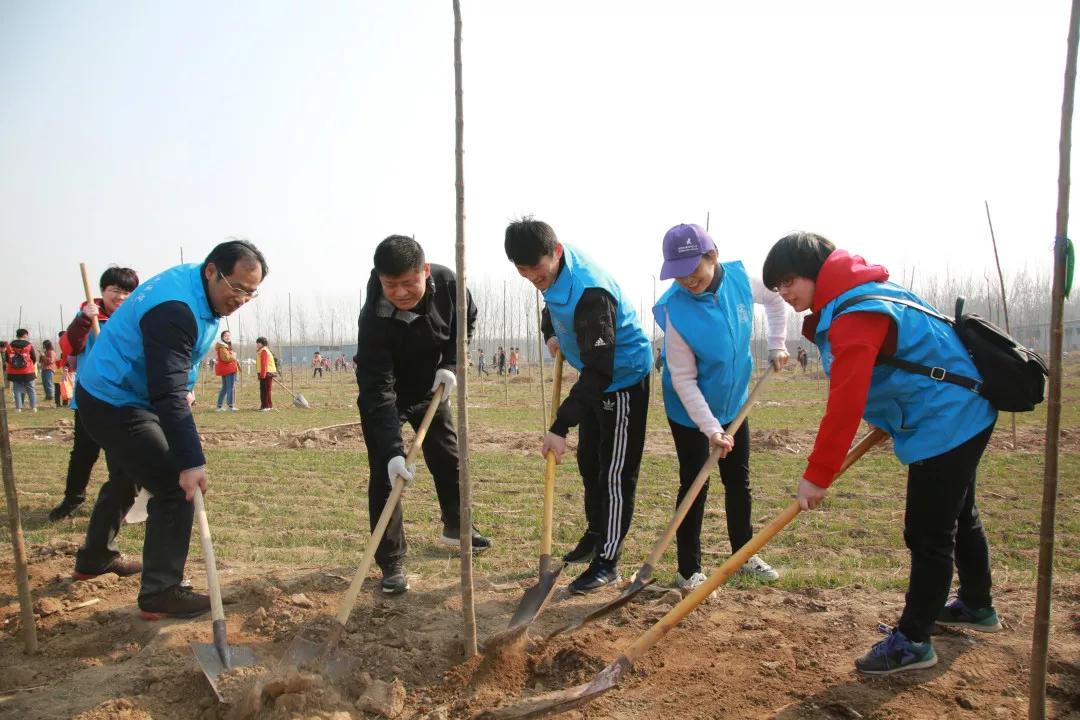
(707, 316)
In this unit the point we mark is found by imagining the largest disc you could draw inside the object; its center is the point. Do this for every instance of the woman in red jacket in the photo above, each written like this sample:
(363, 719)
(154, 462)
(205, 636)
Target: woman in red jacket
(226, 369)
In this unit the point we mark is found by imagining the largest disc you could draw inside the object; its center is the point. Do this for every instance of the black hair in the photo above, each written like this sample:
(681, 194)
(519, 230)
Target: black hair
(46, 345)
(21, 333)
(61, 334)
(222, 335)
(261, 341)
(226, 255)
(527, 240)
(800, 254)
(124, 278)
(397, 255)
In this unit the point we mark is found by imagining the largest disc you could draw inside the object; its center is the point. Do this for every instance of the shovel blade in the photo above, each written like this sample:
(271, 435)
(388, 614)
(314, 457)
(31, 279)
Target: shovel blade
(308, 653)
(561, 700)
(301, 402)
(210, 662)
(624, 597)
(534, 599)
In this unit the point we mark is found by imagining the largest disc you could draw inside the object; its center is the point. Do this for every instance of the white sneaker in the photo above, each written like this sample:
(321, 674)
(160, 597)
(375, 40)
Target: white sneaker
(691, 582)
(232, 408)
(757, 568)
(219, 409)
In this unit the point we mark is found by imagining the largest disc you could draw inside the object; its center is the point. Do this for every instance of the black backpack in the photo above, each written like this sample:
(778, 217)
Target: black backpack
(1014, 377)
(18, 358)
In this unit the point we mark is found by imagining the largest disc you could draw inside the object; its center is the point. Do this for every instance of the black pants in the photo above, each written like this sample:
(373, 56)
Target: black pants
(611, 439)
(441, 455)
(942, 528)
(84, 453)
(692, 448)
(316, 371)
(133, 438)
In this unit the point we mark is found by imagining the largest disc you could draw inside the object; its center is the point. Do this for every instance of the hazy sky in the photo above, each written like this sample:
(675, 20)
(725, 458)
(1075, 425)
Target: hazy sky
(131, 129)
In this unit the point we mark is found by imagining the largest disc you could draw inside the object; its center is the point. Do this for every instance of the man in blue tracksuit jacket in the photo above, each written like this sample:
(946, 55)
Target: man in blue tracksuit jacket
(134, 395)
(587, 316)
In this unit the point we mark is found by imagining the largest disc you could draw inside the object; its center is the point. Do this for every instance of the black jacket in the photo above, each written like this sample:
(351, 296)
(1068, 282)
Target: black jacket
(398, 352)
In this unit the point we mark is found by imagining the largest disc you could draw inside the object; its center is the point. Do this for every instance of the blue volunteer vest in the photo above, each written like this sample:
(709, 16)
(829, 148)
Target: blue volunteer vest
(633, 357)
(116, 371)
(717, 327)
(925, 417)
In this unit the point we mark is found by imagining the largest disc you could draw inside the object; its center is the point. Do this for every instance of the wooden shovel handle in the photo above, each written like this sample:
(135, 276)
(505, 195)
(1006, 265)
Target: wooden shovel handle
(549, 469)
(349, 600)
(665, 624)
(89, 297)
(703, 475)
(217, 611)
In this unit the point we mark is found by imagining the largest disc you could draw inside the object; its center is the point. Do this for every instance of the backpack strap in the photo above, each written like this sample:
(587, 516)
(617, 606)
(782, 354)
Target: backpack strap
(934, 373)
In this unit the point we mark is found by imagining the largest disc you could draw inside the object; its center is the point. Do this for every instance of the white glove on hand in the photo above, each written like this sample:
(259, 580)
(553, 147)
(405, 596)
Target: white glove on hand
(778, 359)
(397, 466)
(447, 379)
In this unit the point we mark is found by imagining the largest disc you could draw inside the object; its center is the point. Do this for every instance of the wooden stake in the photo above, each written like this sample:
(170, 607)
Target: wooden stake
(18, 545)
(468, 607)
(541, 348)
(1040, 644)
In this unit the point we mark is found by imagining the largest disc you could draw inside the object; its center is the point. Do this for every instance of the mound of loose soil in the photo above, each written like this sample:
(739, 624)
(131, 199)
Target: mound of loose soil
(760, 652)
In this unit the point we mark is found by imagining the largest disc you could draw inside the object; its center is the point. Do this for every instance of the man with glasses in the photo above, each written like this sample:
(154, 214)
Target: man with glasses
(134, 396)
(116, 284)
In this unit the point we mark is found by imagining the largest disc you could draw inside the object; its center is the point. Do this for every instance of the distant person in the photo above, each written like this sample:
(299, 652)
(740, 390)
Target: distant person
(589, 318)
(513, 362)
(500, 360)
(134, 394)
(22, 370)
(47, 366)
(406, 349)
(226, 368)
(3, 358)
(802, 357)
(707, 316)
(939, 430)
(266, 366)
(481, 367)
(316, 365)
(116, 284)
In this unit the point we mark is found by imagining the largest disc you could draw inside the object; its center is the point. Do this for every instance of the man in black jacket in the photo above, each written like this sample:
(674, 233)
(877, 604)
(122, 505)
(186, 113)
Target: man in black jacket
(407, 347)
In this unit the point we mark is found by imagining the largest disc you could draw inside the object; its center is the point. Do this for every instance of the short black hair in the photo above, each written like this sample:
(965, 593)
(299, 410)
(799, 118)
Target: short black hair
(261, 341)
(225, 256)
(124, 278)
(397, 255)
(799, 254)
(21, 333)
(527, 240)
(46, 345)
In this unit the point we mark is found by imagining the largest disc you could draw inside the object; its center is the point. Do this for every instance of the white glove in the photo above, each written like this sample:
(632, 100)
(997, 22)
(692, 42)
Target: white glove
(778, 359)
(397, 466)
(447, 379)
(137, 512)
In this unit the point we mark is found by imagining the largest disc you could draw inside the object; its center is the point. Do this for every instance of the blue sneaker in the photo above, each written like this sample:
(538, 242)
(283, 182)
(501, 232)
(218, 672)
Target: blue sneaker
(957, 614)
(896, 654)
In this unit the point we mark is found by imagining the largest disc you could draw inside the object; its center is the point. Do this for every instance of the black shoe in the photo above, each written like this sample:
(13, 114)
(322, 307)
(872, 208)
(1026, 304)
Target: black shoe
(600, 573)
(174, 602)
(451, 537)
(64, 509)
(394, 581)
(584, 550)
(119, 565)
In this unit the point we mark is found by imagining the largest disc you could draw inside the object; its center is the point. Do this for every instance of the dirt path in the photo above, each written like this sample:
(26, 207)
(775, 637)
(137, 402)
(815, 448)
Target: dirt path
(753, 653)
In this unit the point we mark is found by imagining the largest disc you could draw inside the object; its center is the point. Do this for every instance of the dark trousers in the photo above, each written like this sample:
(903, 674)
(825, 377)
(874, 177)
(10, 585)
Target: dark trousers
(84, 453)
(942, 528)
(441, 455)
(611, 438)
(316, 371)
(266, 385)
(692, 448)
(134, 440)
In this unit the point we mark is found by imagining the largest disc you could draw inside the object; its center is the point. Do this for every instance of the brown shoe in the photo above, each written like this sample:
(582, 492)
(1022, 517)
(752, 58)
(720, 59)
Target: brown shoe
(174, 602)
(119, 565)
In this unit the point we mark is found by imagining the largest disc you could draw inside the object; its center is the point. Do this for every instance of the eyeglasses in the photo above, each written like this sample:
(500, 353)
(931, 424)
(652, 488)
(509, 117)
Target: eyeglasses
(249, 294)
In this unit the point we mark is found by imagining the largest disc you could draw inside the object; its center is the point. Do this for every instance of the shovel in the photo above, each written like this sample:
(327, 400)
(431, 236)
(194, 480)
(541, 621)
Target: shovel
(606, 679)
(644, 577)
(536, 597)
(303, 651)
(298, 400)
(219, 657)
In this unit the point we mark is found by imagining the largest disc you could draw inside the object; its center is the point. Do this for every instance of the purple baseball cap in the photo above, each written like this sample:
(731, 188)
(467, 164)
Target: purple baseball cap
(683, 247)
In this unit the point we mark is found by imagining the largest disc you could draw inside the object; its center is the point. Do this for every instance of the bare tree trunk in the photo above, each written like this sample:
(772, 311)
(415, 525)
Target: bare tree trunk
(1004, 299)
(468, 608)
(292, 378)
(18, 545)
(1040, 644)
(540, 350)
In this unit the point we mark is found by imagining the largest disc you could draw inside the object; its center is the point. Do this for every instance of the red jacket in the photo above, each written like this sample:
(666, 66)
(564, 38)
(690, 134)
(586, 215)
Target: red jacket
(74, 340)
(29, 360)
(856, 339)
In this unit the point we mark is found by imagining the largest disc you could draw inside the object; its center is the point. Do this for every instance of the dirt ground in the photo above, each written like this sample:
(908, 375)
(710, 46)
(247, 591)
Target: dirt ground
(752, 653)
